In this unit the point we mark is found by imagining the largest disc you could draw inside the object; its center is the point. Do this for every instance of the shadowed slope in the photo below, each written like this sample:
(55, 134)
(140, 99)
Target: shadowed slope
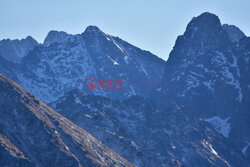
(38, 135)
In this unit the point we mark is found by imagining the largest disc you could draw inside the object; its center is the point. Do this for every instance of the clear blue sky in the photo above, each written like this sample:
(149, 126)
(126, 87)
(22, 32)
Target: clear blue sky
(149, 24)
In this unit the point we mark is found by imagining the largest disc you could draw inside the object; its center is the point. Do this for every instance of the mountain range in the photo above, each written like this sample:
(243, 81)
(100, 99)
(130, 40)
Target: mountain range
(64, 61)
(191, 110)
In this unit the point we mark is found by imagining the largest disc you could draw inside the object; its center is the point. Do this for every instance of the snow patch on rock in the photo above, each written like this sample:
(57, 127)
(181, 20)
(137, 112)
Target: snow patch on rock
(221, 124)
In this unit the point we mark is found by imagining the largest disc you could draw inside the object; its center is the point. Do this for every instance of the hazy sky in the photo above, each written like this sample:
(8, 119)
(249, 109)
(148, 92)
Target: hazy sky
(149, 24)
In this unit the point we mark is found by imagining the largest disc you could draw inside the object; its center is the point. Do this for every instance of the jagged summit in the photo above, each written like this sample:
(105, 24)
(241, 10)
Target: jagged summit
(206, 23)
(28, 38)
(203, 32)
(207, 19)
(207, 16)
(234, 32)
(93, 31)
(15, 50)
(56, 36)
(61, 36)
(92, 28)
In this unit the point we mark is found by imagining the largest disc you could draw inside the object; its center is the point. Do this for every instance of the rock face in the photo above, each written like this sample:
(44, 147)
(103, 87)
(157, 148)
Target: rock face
(147, 135)
(64, 62)
(206, 73)
(32, 134)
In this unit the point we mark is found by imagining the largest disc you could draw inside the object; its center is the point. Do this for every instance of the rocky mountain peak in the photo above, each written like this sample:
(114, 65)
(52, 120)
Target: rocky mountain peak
(203, 33)
(30, 39)
(92, 32)
(56, 36)
(92, 28)
(234, 32)
(205, 23)
(15, 50)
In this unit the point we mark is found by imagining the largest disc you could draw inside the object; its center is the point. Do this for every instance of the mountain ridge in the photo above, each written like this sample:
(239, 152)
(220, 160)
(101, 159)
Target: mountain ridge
(64, 63)
(44, 136)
